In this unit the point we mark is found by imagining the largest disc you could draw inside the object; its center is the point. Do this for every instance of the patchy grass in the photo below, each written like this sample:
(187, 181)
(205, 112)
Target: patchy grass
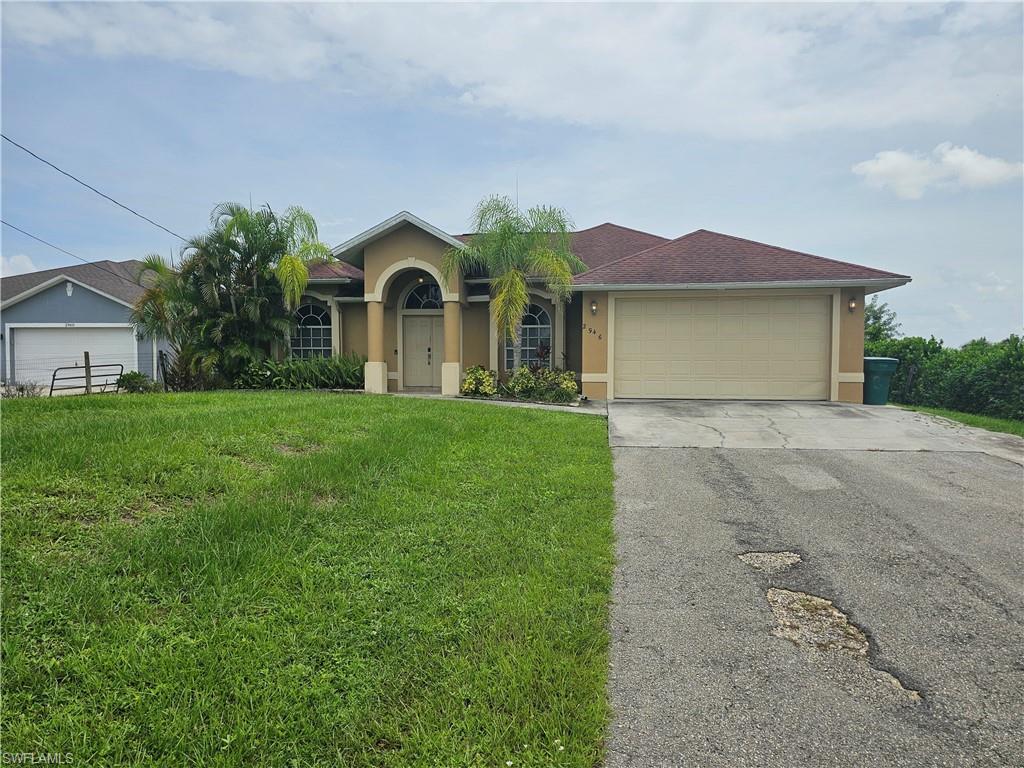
(991, 423)
(304, 579)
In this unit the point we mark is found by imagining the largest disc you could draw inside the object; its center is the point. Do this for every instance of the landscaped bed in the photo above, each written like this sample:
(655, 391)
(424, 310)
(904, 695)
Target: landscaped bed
(300, 578)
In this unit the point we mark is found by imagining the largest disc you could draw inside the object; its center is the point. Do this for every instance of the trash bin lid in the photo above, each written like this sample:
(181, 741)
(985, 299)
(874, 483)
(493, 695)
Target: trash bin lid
(885, 359)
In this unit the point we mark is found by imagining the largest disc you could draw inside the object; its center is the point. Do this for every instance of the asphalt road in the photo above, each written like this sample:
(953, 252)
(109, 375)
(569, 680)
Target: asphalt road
(921, 550)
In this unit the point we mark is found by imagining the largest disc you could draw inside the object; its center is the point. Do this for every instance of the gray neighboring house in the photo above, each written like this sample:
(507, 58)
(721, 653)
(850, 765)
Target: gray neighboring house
(49, 318)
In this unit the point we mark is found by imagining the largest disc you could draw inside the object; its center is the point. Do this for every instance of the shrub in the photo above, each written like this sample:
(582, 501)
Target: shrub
(546, 384)
(480, 382)
(12, 390)
(344, 372)
(136, 383)
(980, 377)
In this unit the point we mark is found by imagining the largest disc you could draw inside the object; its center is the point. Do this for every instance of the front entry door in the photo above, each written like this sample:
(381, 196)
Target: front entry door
(422, 350)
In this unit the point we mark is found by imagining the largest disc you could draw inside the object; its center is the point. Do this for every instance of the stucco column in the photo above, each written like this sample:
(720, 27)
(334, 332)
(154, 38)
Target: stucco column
(376, 369)
(335, 329)
(451, 369)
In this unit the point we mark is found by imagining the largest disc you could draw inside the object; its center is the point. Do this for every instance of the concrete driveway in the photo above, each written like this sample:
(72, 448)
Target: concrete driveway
(723, 661)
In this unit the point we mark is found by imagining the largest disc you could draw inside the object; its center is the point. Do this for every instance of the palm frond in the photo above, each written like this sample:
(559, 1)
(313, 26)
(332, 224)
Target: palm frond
(293, 275)
(509, 299)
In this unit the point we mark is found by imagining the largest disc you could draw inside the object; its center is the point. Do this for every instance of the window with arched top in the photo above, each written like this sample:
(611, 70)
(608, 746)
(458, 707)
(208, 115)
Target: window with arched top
(424, 296)
(536, 339)
(312, 335)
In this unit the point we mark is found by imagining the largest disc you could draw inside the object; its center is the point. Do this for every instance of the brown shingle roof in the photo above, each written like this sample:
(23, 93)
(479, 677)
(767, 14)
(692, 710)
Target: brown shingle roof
(119, 279)
(333, 270)
(605, 242)
(710, 257)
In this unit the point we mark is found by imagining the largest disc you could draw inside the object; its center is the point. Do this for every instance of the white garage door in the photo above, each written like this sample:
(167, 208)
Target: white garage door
(758, 348)
(38, 351)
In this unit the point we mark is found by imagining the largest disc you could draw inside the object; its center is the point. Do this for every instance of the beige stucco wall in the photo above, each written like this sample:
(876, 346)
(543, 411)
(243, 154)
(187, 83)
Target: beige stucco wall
(851, 332)
(404, 243)
(851, 344)
(851, 392)
(594, 344)
(353, 328)
(475, 335)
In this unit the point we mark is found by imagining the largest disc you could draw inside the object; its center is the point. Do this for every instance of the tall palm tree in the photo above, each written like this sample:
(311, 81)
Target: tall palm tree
(513, 248)
(233, 296)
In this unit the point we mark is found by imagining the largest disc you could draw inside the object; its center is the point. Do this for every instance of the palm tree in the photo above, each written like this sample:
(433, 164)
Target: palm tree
(514, 248)
(233, 296)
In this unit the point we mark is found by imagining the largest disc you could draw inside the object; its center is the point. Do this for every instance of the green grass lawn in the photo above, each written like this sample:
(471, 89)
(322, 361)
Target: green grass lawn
(991, 423)
(304, 579)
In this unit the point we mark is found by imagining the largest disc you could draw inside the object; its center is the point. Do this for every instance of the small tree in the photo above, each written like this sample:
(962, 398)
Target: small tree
(512, 248)
(879, 322)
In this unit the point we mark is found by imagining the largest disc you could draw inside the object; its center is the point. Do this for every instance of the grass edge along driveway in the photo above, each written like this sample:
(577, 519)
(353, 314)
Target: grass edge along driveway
(304, 579)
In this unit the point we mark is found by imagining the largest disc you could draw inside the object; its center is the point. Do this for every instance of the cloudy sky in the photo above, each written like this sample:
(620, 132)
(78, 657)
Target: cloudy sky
(886, 135)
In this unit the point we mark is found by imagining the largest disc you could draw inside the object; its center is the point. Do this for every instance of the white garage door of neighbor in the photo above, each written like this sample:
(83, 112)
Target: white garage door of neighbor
(38, 351)
(719, 348)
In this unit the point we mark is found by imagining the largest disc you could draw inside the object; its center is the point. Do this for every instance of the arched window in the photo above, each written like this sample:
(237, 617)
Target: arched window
(536, 339)
(424, 296)
(312, 335)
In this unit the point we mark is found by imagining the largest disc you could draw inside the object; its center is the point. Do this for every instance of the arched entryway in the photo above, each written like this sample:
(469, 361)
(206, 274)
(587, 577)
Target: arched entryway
(415, 328)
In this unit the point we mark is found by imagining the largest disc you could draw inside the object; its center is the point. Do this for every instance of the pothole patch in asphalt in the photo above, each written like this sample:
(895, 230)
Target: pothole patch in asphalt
(770, 562)
(813, 622)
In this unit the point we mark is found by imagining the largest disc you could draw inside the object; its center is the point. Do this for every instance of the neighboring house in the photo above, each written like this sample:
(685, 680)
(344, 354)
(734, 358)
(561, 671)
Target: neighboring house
(704, 315)
(49, 318)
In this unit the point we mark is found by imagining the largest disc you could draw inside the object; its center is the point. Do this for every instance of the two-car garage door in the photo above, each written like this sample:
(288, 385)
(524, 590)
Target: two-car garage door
(775, 348)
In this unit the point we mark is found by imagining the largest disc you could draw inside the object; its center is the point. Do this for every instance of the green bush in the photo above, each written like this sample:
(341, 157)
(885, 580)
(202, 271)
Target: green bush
(344, 372)
(136, 383)
(547, 384)
(479, 382)
(979, 377)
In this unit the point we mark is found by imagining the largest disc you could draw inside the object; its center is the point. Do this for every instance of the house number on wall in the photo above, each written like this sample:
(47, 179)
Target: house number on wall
(592, 332)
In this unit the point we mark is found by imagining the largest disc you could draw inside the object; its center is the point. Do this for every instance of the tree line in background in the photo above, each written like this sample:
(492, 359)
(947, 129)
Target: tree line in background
(980, 377)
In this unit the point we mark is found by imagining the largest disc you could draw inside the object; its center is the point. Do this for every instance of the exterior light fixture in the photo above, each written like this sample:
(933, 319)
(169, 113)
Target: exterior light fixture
(593, 307)
(69, 287)
(851, 305)
(419, 279)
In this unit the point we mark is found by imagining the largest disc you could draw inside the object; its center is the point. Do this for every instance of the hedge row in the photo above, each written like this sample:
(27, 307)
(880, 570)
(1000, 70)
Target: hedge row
(979, 377)
(344, 372)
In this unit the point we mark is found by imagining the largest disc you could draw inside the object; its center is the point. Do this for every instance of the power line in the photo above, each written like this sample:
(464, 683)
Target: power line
(89, 186)
(69, 253)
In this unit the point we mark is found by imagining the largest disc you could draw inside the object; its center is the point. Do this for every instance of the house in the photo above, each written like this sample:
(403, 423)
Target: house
(704, 315)
(49, 318)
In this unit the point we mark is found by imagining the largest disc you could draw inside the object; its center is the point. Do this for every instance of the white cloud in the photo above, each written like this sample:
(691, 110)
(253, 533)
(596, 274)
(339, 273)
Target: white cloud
(751, 71)
(991, 283)
(961, 314)
(18, 264)
(909, 174)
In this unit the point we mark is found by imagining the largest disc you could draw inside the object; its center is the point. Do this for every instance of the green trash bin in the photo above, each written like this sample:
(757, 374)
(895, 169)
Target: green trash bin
(878, 373)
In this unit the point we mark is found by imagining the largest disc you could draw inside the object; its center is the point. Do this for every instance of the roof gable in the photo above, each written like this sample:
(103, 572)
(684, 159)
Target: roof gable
(351, 250)
(116, 280)
(711, 258)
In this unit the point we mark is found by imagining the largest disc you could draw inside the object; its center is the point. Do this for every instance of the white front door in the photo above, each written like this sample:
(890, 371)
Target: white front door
(422, 350)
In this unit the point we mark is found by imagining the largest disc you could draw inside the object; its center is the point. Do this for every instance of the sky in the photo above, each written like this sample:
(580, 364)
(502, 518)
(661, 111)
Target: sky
(886, 135)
